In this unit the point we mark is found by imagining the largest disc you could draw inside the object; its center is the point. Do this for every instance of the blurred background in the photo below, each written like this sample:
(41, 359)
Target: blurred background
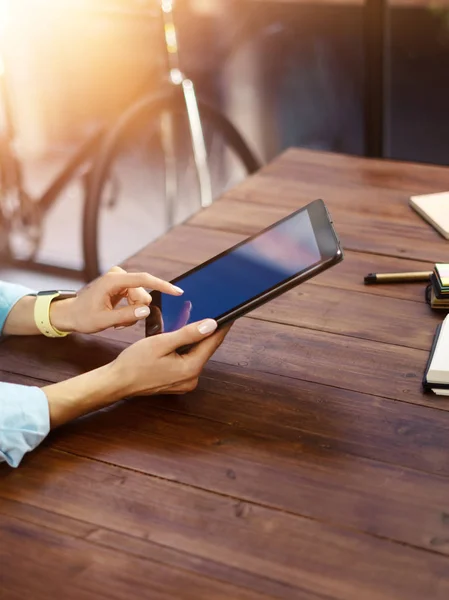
(287, 73)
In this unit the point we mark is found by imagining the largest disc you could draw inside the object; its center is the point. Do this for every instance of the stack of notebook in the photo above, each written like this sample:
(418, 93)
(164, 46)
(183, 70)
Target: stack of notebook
(439, 289)
(436, 376)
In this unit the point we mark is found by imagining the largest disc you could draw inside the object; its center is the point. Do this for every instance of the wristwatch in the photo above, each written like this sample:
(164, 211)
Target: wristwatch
(42, 311)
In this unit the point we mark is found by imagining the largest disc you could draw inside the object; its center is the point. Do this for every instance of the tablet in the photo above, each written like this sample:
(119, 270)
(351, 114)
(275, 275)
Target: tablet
(251, 273)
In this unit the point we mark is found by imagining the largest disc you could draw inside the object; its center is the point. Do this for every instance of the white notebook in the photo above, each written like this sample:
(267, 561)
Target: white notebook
(437, 371)
(434, 208)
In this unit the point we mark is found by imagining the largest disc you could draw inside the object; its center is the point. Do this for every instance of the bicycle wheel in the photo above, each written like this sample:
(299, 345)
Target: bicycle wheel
(144, 179)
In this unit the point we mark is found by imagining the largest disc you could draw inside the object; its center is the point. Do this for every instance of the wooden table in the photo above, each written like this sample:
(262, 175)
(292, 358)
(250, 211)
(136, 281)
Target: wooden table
(308, 465)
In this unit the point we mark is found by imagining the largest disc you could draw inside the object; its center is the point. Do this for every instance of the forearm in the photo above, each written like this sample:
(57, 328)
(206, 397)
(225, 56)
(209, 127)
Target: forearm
(83, 394)
(28, 413)
(20, 320)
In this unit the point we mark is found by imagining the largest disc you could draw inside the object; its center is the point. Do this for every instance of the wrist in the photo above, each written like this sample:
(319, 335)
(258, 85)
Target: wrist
(62, 315)
(110, 384)
(121, 379)
(115, 382)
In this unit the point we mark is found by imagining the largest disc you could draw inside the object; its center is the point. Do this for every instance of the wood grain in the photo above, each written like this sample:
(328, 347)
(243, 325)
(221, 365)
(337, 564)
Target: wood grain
(359, 365)
(276, 407)
(54, 360)
(147, 549)
(386, 370)
(379, 234)
(368, 200)
(285, 548)
(53, 564)
(321, 167)
(314, 476)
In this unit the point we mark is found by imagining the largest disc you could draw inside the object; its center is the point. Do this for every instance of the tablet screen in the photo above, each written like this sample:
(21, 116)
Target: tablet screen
(243, 273)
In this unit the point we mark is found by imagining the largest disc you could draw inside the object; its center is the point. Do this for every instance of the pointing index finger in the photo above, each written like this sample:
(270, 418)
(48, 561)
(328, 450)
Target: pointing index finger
(119, 281)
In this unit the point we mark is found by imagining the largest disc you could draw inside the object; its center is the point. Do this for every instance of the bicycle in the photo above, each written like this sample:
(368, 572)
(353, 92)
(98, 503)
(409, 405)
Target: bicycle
(156, 123)
(160, 123)
(21, 213)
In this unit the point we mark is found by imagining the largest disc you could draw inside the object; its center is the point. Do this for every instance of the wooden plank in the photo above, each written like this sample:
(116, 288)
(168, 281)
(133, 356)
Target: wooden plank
(244, 458)
(162, 258)
(308, 555)
(374, 233)
(286, 469)
(310, 165)
(344, 203)
(295, 187)
(368, 200)
(276, 407)
(54, 360)
(20, 379)
(52, 564)
(15, 509)
(178, 243)
(359, 365)
(386, 370)
(331, 419)
(147, 549)
(304, 426)
(358, 186)
(354, 315)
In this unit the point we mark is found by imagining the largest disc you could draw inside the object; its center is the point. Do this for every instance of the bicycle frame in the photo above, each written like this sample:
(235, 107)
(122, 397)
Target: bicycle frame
(177, 78)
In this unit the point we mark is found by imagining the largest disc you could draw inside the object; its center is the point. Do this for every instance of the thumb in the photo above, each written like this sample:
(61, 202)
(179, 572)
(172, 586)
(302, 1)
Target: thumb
(191, 334)
(127, 315)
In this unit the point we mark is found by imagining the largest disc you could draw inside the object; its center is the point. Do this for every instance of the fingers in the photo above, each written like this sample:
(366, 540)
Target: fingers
(117, 281)
(134, 295)
(189, 385)
(123, 317)
(201, 353)
(139, 296)
(191, 334)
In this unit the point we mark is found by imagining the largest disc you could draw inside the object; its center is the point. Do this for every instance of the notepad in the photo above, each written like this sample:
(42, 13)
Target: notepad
(434, 208)
(436, 376)
(442, 272)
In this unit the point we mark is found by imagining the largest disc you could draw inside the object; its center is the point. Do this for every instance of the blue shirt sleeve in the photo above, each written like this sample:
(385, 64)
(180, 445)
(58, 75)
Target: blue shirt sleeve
(24, 411)
(10, 294)
(24, 421)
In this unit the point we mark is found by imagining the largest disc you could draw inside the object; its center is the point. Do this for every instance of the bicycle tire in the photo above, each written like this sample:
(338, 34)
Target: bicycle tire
(149, 107)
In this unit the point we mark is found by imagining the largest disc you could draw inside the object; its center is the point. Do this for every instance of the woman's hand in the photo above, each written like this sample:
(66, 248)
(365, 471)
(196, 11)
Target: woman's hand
(96, 306)
(151, 366)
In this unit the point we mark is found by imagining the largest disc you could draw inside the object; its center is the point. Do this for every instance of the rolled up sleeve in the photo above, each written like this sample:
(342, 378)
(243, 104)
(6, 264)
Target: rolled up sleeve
(10, 294)
(24, 421)
(24, 411)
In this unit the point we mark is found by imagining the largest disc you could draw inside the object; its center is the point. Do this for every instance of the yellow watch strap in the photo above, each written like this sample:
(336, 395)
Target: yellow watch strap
(42, 316)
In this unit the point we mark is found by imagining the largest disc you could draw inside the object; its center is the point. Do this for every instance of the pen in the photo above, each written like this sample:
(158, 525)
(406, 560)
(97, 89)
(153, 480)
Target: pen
(397, 277)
